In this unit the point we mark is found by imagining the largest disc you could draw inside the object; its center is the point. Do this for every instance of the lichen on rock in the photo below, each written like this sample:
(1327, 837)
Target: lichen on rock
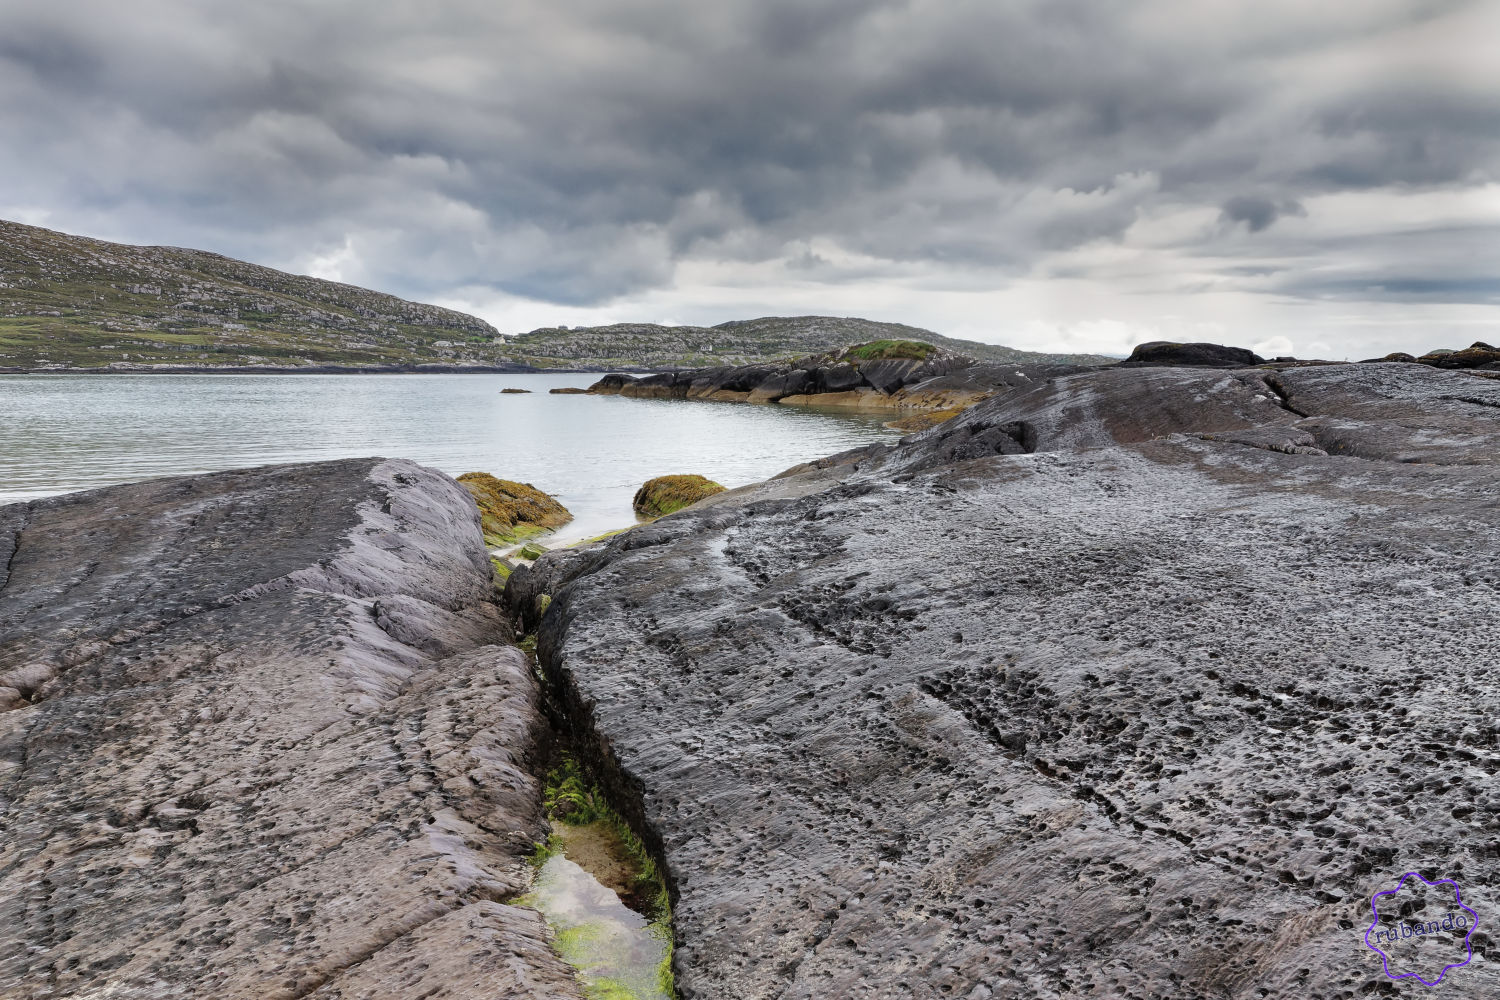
(666, 494)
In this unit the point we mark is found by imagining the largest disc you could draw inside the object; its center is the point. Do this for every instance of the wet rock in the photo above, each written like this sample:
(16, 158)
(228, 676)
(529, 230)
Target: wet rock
(1161, 352)
(1147, 706)
(263, 741)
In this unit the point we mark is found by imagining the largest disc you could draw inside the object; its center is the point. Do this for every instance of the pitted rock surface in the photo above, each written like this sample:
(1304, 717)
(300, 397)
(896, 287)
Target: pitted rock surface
(259, 740)
(1149, 709)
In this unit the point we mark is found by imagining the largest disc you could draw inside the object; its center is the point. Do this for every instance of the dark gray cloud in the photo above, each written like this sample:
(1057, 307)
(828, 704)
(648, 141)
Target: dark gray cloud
(574, 151)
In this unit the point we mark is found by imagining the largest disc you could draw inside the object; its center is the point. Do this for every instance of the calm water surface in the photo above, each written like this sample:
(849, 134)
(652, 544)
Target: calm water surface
(60, 433)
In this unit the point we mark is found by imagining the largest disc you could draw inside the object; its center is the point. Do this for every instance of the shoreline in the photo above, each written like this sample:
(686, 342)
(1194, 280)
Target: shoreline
(416, 369)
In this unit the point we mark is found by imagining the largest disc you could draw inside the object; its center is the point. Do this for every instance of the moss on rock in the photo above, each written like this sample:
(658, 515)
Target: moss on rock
(886, 350)
(665, 494)
(510, 512)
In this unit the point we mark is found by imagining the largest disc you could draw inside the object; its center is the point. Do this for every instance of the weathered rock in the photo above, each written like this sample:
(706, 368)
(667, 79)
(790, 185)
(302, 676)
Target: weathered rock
(1161, 352)
(568, 390)
(262, 742)
(514, 391)
(1147, 706)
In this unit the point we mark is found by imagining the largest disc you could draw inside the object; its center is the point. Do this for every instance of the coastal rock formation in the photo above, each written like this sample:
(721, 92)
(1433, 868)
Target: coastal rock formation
(1132, 683)
(882, 375)
(1161, 352)
(259, 740)
(668, 494)
(1477, 355)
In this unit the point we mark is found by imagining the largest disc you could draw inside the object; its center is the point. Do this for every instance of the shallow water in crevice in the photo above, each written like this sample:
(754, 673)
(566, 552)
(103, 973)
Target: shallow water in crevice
(618, 953)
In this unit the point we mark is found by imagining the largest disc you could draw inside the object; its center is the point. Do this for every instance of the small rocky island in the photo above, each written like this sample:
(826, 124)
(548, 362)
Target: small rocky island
(1125, 682)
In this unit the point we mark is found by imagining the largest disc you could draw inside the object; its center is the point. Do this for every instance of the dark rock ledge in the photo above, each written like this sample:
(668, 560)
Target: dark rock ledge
(1135, 683)
(261, 739)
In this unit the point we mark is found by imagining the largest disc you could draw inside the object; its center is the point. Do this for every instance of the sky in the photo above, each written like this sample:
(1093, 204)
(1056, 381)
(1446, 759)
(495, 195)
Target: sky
(1313, 179)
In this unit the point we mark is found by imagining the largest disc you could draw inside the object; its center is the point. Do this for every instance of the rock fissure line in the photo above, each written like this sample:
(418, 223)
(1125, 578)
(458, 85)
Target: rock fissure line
(15, 549)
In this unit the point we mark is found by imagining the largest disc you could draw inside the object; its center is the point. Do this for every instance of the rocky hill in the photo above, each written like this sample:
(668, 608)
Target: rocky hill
(744, 342)
(70, 301)
(74, 302)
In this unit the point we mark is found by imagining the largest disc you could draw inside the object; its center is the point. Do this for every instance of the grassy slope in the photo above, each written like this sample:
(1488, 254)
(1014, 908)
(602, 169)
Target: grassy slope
(77, 302)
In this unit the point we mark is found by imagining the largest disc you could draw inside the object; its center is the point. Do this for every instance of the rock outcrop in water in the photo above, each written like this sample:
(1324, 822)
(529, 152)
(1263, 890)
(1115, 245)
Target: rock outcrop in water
(510, 512)
(261, 739)
(881, 375)
(1125, 684)
(669, 494)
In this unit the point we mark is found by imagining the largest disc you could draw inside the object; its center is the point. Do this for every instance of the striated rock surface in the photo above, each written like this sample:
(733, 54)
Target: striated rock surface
(258, 742)
(1135, 683)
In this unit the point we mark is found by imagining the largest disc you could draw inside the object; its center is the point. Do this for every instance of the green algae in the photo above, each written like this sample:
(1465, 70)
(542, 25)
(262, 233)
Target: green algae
(602, 894)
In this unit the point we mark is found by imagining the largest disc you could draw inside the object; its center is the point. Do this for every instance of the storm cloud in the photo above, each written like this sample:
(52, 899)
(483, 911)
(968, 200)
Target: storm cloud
(1014, 169)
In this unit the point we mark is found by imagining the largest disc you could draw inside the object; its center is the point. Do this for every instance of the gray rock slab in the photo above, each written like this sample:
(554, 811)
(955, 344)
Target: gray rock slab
(1150, 711)
(260, 740)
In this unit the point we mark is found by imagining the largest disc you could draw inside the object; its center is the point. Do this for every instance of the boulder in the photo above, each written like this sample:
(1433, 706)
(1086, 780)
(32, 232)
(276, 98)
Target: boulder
(264, 740)
(669, 494)
(1161, 352)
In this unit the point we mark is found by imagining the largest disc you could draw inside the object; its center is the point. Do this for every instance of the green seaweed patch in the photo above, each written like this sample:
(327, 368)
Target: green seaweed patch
(571, 799)
(668, 494)
(502, 568)
(509, 511)
(886, 350)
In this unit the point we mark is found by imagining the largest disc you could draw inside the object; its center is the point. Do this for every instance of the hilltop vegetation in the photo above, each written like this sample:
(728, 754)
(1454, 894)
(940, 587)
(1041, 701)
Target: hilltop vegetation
(74, 302)
(745, 342)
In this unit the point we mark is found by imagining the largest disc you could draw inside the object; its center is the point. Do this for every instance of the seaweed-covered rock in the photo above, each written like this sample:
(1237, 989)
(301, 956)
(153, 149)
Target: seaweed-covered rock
(511, 511)
(513, 391)
(1161, 352)
(668, 494)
